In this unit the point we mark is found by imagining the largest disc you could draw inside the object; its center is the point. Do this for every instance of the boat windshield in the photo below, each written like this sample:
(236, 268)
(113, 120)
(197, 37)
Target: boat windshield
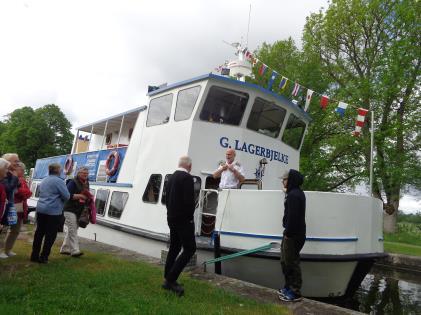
(266, 118)
(224, 106)
(294, 131)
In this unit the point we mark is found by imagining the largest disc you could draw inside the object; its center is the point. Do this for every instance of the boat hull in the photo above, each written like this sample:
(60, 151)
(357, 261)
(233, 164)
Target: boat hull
(322, 277)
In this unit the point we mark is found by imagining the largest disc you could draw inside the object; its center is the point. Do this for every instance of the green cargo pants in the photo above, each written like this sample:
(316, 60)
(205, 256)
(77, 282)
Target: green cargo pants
(290, 261)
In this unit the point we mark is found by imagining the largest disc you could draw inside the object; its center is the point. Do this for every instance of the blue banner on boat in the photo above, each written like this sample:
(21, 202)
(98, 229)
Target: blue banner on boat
(91, 160)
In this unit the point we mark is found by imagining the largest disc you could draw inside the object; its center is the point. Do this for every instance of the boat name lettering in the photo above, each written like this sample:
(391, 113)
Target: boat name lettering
(254, 149)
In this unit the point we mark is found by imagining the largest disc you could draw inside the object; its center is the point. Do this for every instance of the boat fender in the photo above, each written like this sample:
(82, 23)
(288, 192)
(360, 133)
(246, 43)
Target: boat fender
(110, 171)
(68, 165)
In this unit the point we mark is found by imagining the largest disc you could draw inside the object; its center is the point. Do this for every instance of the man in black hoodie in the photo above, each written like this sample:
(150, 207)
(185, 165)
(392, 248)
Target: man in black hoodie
(294, 235)
(180, 209)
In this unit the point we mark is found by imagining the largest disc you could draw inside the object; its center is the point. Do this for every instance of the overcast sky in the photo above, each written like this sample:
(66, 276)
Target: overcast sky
(96, 58)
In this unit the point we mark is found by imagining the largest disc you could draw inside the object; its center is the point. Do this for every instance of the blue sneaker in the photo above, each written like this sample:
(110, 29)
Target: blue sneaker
(290, 296)
(282, 292)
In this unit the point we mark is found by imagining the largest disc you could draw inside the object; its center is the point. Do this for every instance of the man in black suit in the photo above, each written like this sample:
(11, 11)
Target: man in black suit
(180, 209)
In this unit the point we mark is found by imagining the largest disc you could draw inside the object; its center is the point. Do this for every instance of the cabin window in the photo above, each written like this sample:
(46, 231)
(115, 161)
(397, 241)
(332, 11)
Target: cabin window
(294, 131)
(224, 106)
(159, 110)
(117, 204)
(164, 192)
(151, 194)
(186, 100)
(266, 118)
(101, 200)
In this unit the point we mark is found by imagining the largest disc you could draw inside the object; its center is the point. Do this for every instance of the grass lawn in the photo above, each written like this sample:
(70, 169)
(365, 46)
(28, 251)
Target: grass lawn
(407, 239)
(103, 284)
(401, 248)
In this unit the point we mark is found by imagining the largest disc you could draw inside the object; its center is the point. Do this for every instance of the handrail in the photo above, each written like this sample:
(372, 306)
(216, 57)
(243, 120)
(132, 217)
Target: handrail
(257, 182)
(202, 197)
(243, 252)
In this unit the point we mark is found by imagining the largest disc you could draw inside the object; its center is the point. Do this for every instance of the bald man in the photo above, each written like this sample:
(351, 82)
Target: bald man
(180, 204)
(231, 172)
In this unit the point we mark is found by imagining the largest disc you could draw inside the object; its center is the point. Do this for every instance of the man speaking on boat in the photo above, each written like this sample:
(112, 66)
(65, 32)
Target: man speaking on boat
(231, 173)
(294, 235)
(180, 209)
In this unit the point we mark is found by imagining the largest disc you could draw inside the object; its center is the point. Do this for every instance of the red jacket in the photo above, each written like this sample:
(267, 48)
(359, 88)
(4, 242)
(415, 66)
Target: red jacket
(2, 199)
(21, 195)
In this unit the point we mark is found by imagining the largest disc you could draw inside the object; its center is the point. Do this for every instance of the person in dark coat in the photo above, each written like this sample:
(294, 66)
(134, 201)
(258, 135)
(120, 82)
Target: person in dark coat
(180, 204)
(294, 235)
(72, 211)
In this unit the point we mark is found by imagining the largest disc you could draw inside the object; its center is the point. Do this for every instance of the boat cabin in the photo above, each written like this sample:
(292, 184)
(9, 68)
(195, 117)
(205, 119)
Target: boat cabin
(135, 152)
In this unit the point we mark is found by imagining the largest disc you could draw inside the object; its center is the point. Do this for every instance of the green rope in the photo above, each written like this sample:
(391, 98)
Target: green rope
(242, 253)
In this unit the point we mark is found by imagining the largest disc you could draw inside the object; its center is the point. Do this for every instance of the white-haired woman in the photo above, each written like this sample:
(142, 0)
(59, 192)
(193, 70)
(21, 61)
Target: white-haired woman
(79, 190)
(21, 196)
(52, 194)
(11, 184)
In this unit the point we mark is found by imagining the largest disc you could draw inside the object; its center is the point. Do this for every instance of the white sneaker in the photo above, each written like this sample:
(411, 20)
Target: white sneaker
(3, 256)
(11, 254)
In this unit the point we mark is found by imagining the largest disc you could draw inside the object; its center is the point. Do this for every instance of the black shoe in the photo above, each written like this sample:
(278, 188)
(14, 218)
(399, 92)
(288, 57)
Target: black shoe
(43, 260)
(34, 259)
(174, 287)
(77, 255)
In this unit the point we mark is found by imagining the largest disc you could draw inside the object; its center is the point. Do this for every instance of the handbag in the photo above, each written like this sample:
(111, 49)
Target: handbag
(12, 215)
(84, 218)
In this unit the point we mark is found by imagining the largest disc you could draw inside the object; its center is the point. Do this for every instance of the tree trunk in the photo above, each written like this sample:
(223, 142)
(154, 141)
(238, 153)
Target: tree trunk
(389, 222)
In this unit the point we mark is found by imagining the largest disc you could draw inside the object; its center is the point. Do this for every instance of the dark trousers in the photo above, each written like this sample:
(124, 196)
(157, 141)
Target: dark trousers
(181, 235)
(290, 262)
(47, 228)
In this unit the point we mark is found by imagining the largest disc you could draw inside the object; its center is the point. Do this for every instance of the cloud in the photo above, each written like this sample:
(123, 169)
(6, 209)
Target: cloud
(96, 58)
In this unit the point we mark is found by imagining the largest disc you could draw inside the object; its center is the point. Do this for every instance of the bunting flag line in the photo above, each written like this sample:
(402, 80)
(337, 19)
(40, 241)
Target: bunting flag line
(283, 83)
(262, 69)
(296, 89)
(324, 101)
(272, 79)
(341, 108)
(249, 56)
(362, 112)
(308, 99)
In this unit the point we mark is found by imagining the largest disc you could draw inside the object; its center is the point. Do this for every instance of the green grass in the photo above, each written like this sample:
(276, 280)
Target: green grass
(408, 233)
(103, 284)
(407, 239)
(401, 248)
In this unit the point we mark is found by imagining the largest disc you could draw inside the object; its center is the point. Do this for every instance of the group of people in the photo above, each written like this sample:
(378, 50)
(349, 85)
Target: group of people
(180, 203)
(59, 204)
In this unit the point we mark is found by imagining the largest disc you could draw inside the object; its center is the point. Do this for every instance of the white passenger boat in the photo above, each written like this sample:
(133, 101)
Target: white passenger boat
(202, 117)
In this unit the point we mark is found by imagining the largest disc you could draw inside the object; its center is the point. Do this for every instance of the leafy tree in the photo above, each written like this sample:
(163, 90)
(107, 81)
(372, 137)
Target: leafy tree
(371, 51)
(35, 134)
(365, 53)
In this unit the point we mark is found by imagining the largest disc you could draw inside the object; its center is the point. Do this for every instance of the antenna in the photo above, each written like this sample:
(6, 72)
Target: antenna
(248, 28)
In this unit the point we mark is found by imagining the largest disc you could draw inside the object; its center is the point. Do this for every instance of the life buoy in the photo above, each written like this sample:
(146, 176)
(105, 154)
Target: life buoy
(111, 171)
(68, 165)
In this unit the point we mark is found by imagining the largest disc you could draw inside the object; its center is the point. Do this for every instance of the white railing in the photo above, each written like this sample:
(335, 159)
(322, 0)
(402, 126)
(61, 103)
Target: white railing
(208, 204)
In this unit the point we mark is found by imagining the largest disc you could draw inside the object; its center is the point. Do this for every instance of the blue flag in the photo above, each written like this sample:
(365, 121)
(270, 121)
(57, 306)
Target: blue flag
(272, 79)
